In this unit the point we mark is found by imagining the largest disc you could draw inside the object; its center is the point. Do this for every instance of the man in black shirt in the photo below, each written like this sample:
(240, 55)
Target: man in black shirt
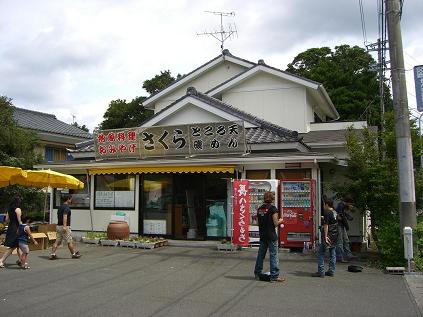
(63, 230)
(343, 250)
(329, 241)
(268, 221)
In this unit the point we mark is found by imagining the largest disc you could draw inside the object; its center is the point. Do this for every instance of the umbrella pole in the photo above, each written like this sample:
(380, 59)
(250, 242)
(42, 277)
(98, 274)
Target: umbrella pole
(89, 193)
(45, 206)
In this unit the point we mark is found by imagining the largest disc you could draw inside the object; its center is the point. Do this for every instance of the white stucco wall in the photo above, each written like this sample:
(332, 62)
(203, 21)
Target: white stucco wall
(190, 114)
(206, 81)
(271, 98)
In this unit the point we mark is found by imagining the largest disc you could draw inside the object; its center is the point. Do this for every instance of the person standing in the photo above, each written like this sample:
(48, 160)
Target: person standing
(13, 216)
(24, 234)
(63, 229)
(328, 241)
(268, 221)
(343, 251)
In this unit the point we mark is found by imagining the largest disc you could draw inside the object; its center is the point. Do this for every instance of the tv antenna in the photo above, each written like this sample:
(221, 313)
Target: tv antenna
(222, 35)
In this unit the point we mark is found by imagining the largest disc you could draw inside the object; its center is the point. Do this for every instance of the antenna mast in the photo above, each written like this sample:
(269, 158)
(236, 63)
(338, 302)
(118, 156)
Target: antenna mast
(222, 35)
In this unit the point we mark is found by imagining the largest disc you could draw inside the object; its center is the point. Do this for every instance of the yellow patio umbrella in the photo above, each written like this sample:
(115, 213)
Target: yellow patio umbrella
(8, 172)
(45, 178)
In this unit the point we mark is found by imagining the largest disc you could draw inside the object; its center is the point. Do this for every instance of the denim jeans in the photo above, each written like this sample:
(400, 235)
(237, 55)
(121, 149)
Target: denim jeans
(321, 258)
(343, 250)
(274, 258)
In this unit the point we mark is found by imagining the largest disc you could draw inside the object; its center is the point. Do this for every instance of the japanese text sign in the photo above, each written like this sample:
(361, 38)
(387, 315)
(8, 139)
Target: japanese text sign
(240, 213)
(116, 143)
(418, 80)
(157, 141)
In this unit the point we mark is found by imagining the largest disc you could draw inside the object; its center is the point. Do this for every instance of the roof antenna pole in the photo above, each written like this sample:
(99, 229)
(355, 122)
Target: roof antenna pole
(222, 35)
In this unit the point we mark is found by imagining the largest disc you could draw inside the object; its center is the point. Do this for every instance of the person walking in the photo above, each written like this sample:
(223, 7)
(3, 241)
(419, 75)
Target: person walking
(63, 229)
(329, 241)
(343, 251)
(24, 234)
(268, 221)
(13, 216)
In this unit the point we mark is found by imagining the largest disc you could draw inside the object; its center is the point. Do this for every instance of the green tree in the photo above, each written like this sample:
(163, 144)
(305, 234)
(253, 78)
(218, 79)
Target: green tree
(374, 184)
(158, 82)
(82, 127)
(17, 149)
(121, 114)
(347, 75)
(16, 144)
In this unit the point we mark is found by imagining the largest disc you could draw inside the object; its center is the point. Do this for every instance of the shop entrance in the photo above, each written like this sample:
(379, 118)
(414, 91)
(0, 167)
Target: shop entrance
(189, 206)
(184, 206)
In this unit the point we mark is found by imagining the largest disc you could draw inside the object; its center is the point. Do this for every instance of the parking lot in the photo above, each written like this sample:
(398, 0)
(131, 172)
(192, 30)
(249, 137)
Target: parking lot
(192, 281)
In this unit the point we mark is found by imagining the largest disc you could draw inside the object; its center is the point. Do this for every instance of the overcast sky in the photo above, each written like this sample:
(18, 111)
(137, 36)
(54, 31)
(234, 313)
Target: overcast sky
(72, 57)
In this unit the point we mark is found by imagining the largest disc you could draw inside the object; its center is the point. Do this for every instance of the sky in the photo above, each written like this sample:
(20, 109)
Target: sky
(71, 58)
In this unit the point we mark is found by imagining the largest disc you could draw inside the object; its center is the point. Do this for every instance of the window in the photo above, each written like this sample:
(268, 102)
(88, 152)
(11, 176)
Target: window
(258, 174)
(80, 197)
(115, 191)
(293, 174)
(54, 154)
(157, 204)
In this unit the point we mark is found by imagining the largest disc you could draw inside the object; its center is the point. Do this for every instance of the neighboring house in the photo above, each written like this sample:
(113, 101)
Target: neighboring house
(291, 133)
(55, 136)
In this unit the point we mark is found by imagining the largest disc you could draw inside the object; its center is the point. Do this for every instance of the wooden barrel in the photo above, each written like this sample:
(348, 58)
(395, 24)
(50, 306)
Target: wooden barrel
(118, 230)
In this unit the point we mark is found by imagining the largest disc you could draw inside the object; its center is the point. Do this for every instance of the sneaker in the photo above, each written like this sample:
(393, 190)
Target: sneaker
(53, 256)
(18, 262)
(331, 274)
(76, 255)
(318, 274)
(277, 280)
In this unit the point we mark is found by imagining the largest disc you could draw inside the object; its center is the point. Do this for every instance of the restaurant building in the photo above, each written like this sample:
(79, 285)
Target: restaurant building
(227, 119)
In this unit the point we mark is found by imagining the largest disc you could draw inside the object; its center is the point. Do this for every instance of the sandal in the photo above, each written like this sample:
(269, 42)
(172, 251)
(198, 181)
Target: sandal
(25, 267)
(1, 265)
(18, 262)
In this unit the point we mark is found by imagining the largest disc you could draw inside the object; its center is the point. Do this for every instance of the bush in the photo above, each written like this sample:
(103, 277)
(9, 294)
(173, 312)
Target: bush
(390, 244)
(418, 236)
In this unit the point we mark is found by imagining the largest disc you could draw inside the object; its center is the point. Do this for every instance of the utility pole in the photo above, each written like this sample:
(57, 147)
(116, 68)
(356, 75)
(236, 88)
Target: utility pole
(401, 115)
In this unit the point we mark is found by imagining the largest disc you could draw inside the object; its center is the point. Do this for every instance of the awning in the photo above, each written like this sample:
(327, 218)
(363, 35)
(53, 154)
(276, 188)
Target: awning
(162, 169)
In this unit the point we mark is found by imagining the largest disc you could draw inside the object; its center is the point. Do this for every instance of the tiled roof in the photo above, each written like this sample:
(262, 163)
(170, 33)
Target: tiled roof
(45, 122)
(224, 53)
(258, 65)
(328, 136)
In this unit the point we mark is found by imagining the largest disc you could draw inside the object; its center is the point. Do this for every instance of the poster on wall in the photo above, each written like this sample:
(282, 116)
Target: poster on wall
(104, 199)
(124, 199)
(154, 226)
(240, 213)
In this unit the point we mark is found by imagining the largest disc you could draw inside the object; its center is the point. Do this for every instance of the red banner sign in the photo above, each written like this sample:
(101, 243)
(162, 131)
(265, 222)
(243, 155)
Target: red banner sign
(241, 213)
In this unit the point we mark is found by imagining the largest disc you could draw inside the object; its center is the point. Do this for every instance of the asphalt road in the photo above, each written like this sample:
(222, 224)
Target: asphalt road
(192, 281)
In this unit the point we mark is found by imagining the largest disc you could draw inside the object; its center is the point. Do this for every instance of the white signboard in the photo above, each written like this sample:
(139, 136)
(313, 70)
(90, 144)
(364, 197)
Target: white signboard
(124, 199)
(104, 199)
(154, 226)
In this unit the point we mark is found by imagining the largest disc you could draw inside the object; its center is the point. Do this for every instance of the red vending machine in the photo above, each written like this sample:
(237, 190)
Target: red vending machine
(296, 206)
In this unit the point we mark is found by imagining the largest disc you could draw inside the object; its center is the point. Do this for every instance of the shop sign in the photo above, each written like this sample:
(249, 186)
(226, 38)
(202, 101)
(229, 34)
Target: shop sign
(116, 143)
(159, 141)
(240, 213)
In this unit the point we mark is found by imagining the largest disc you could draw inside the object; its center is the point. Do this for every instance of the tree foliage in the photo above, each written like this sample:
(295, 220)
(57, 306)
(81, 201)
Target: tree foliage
(347, 76)
(373, 183)
(82, 127)
(16, 144)
(17, 149)
(158, 82)
(122, 114)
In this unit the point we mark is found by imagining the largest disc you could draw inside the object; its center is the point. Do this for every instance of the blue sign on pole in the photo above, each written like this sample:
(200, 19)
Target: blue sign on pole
(418, 80)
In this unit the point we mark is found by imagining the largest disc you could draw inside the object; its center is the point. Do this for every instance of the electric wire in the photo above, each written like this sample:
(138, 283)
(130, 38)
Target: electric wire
(363, 22)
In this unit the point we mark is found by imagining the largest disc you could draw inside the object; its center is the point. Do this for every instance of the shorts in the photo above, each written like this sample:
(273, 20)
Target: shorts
(24, 247)
(62, 235)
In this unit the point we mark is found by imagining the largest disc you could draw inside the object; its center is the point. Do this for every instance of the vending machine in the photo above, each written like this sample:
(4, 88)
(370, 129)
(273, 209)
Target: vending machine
(257, 188)
(297, 209)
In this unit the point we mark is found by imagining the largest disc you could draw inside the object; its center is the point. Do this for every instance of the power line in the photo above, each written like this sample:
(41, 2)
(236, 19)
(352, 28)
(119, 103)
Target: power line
(363, 22)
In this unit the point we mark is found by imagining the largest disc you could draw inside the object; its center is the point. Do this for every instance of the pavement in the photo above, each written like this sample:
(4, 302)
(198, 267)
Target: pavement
(196, 280)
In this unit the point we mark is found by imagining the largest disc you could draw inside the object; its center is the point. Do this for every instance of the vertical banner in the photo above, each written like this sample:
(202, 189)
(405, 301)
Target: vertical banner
(241, 216)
